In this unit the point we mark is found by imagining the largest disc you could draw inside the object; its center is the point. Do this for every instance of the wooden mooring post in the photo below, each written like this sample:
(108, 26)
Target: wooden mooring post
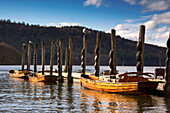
(83, 55)
(112, 61)
(43, 56)
(97, 55)
(52, 57)
(70, 57)
(23, 56)
(167, 73)
(140, 50)
(35, 58)
(59, 54)
(66, 60)
(29, 55)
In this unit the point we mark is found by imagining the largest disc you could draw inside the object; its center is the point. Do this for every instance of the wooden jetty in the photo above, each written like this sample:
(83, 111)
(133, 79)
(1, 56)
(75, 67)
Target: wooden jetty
(116, 83)
(97, 81)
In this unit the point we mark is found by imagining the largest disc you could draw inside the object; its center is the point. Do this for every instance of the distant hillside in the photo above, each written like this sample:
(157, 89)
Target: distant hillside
(15, 34)
(9, 55)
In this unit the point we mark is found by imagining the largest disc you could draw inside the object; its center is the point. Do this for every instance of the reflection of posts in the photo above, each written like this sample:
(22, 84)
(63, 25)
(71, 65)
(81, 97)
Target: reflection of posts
(167, 75)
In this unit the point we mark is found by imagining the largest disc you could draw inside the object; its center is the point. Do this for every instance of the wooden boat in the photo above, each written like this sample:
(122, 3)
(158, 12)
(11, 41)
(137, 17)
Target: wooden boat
(19, 74)
(42, 78)
(124, 83)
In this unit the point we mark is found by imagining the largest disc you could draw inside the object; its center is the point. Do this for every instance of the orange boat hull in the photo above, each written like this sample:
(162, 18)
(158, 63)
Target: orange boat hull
(120, 87)
(108, 86)
(18, 74)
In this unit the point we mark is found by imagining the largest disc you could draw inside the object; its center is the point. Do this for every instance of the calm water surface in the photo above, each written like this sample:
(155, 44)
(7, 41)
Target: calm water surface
(19, 95)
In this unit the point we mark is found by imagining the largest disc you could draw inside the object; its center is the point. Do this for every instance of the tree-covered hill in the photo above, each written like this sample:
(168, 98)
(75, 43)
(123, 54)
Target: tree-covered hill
(15, 34)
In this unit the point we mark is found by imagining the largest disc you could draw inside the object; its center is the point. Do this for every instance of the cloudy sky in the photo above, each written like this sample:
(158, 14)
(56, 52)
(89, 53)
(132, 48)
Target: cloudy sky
(125, 16)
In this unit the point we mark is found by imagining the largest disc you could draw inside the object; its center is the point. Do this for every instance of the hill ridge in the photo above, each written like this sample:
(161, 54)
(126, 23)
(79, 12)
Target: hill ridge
(15, 34)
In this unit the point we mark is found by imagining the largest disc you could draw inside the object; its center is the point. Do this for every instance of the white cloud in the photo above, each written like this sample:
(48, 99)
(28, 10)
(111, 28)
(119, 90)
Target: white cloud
(151, 24)
(157, 29)
(155, 5)
(131, 2)
(162, 29)
(136, 20)
(158, 19)
(96, 3)
(151, 5)
(68, 24)
(128, 31)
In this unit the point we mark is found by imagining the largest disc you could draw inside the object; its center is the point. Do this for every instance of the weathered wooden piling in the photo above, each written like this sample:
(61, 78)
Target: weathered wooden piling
(83, 67)
(43, 56)
(97, 55)
(52, 57)
(112, 61)
(23, 56)
(29, 56)
(35, 58)
(70, 56)
(66, 60)
(85, 46)
(59, 54)
(83, 55)
(167, 75)
(140, 49)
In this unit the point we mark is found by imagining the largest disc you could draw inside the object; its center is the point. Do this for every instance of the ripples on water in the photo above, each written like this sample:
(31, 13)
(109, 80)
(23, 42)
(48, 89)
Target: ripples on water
(19, 95)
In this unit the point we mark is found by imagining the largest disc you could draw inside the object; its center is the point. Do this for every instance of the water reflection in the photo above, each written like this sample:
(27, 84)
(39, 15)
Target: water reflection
(101, 101)
(167, 104)
(18, 95)
(106, 102)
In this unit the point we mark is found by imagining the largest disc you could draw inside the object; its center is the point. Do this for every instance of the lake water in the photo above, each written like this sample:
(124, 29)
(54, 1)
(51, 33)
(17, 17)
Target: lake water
(19, 95)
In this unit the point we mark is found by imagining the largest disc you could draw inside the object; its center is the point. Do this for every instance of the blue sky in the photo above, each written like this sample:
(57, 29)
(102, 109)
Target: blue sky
(125, 16)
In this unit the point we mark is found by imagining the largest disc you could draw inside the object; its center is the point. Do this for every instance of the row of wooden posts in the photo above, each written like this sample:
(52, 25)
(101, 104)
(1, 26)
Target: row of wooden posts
(69, 55)
(112, 61)
(112, 54)
(68, 58)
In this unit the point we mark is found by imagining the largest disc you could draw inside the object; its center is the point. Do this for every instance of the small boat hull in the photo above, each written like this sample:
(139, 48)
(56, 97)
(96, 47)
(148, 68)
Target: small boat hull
(42, 78)
(18, 74)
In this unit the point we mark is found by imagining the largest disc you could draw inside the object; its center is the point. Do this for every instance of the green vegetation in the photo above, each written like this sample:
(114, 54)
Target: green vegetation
(15, 34)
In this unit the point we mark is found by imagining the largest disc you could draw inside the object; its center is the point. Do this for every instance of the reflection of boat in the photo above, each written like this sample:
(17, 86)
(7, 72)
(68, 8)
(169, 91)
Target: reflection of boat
(115, 103)
(106, 102)
(19, 74)
(124, 83)
(106, 97)
(42, 78)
